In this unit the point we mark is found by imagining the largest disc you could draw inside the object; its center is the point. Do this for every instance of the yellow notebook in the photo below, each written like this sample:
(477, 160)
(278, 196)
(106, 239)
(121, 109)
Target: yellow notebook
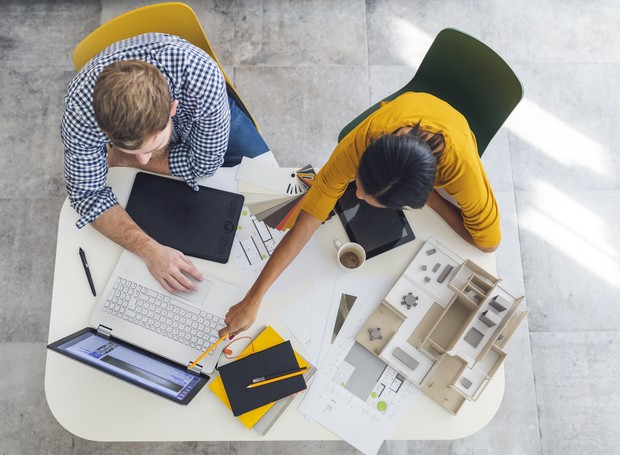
(267, 338)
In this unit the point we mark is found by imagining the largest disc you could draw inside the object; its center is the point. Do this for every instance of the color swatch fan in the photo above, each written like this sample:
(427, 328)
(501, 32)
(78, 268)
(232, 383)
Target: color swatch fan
(274, 194)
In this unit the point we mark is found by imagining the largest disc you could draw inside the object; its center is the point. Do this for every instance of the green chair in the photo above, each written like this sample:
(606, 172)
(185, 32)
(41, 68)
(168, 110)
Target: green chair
(468, 75)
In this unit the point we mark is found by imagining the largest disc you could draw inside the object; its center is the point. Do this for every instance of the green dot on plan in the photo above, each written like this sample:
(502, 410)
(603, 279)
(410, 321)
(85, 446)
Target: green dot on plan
(244, 212)
(382, 406)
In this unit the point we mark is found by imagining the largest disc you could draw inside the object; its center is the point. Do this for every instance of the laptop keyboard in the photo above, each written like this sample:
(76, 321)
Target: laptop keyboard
(160, 314)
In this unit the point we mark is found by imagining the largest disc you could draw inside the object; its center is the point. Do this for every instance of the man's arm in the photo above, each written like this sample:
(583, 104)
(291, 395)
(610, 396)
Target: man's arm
(203, 124)
(242, 315)
(452, 215)
(165, 264)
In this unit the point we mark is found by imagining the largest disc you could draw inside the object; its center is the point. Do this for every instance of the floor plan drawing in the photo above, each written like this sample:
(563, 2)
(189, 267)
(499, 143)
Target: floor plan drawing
(368, 378)
(256, 239)
(355, 394)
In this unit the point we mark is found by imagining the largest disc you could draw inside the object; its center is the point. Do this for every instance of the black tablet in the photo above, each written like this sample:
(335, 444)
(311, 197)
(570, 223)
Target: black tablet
(132, 364)
(199, 223)
(377, 230)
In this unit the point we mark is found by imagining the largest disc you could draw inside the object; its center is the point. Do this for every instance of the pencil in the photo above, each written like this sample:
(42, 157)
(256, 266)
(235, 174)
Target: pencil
(202, 356)
(300, 371)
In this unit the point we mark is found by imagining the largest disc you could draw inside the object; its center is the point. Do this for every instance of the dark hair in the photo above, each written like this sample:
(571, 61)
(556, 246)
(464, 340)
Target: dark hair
(398, 171)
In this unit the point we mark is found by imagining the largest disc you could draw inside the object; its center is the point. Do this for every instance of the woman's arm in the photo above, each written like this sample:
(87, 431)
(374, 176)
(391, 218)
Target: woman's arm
(452, 215)
(242, 315)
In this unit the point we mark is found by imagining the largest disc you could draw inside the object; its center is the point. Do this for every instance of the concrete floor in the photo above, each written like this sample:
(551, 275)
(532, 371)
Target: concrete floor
(305, 68)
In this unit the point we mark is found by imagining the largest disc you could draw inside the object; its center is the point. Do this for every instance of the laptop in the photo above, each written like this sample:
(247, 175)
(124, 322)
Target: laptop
(179, 327)
(199, 223)
(132, 364)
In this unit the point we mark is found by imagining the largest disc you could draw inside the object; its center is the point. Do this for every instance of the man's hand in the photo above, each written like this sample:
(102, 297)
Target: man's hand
(240, 317)
(169, 267)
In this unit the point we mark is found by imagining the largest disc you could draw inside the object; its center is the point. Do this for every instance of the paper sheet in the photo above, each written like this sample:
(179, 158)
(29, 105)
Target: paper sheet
(357, 287)
(326, 305)
(322, 303)
(253, 246)
(223, 179)
(254, 243)
(305, 316)
(347, 398)
(296, 316)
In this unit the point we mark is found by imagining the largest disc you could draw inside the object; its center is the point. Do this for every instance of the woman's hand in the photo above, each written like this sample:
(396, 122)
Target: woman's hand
(240, 317)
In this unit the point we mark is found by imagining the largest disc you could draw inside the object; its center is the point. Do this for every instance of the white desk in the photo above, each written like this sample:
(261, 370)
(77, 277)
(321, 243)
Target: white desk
(95, 406)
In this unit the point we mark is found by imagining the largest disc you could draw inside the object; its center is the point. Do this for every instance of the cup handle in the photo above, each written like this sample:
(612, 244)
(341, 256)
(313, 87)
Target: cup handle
(337, 244)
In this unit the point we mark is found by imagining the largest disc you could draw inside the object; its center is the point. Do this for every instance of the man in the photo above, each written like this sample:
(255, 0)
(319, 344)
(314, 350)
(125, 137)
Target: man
(158, 103)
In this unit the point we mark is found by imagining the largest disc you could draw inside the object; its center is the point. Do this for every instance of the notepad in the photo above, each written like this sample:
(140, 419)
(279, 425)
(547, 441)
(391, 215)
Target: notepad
(267, 338)
(236, 376)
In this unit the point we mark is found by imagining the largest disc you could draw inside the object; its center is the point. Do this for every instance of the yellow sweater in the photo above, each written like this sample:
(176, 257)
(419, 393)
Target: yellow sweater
(459, 169)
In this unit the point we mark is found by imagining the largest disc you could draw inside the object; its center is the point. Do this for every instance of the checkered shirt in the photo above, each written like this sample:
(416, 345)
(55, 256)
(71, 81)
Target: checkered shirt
(200, 127)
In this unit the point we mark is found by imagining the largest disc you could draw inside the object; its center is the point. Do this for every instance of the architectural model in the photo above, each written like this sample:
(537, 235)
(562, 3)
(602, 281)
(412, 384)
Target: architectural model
(444, 325)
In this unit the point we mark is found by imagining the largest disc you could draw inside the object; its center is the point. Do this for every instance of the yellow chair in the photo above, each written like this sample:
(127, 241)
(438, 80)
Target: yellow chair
(173, 18)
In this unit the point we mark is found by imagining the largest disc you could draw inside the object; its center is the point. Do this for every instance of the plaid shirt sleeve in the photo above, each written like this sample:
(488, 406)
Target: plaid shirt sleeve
(202, 123)
(86, 167)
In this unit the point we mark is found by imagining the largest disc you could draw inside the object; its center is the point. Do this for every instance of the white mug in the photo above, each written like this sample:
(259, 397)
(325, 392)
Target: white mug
(351, 256)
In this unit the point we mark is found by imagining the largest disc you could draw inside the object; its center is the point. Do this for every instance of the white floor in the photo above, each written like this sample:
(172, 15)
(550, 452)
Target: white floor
(305, 68)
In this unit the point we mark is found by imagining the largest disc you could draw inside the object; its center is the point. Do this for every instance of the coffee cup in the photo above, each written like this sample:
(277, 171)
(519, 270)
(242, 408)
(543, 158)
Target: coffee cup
(351, 256)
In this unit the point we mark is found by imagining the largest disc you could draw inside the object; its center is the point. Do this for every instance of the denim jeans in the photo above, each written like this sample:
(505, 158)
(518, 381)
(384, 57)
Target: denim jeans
(244, 139)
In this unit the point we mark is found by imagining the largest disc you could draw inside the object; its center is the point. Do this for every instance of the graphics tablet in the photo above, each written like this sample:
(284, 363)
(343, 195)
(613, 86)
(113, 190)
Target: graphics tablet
(377, 230)
(132, 364)
(200, 223)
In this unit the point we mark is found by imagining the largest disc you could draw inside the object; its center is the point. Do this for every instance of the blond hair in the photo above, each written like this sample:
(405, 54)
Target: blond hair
(131, 101)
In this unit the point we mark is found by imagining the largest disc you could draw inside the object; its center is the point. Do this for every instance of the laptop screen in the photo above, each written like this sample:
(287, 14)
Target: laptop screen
(132, 364)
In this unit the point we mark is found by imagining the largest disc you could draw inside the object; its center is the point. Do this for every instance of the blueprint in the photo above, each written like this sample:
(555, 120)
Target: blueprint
(253, 246)
(356, 396)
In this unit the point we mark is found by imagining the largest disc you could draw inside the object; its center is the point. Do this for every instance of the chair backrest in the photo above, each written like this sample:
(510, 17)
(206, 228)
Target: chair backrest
(468, 75)
(173, 18)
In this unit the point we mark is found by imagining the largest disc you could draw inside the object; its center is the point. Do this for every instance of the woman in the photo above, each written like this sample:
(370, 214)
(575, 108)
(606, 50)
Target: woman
(400, 156)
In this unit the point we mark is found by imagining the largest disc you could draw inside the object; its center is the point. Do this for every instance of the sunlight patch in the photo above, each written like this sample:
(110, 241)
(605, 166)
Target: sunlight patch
(574, 230)
(558, 140)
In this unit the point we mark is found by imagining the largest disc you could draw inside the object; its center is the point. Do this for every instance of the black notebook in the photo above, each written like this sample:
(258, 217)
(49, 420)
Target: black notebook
(200, 223)
(236, 376)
